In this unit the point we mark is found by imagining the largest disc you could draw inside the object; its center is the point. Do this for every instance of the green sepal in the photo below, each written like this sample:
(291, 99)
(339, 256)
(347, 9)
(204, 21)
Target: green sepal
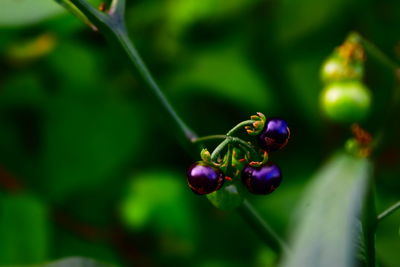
(258, 124)
(229, 197)
(205, 155)
(262, 162)
(239, 160)
(353, 147)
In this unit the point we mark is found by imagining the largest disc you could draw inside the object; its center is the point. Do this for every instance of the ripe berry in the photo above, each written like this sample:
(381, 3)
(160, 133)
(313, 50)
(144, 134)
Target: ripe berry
(275, 135)
(262, 180)
(346, 101)
(204, 179)
(338, 69)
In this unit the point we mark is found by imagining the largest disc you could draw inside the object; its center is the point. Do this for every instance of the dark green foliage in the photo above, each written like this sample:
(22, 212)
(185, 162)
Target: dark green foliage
(90, 166)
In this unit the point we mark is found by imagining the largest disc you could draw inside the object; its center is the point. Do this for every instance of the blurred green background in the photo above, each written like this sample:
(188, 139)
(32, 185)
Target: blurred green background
(89, 165)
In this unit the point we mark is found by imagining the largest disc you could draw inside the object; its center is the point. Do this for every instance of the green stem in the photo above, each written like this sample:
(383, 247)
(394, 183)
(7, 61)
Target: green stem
(115, 31)
(228, 168)
(219, 148)
(381, 57)
(113, 27)
(209, 138)
(247, 146)
(239, 127)
(264, 231)
(388, 211)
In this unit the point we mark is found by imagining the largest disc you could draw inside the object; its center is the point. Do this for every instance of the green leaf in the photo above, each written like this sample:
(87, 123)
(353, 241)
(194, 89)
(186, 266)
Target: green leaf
(21, 12)
(226, 74)
(327, 226)
(23, 230)
(299, 18)
(24, 12)
(159, 200)
(227, 198)
(75, 262)
(182, 13)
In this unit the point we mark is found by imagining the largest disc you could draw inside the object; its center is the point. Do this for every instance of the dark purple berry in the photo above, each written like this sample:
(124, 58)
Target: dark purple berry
(204, 179)
(275, 135)
(261, 180)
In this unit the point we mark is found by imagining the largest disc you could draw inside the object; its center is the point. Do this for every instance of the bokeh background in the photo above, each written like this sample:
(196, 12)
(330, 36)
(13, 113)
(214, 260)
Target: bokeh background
(91, 166)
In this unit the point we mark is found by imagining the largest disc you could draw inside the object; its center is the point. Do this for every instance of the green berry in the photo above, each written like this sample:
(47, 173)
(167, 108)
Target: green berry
(338, 69)
(346, 102)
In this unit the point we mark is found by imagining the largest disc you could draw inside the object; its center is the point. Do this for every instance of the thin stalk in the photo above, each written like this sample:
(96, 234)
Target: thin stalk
(209, 138)
(263, 230)
(247, 146)
(115, 31)
(113, 27)
(376, 53)
(218, 149)
(388, 211)
(239, 127)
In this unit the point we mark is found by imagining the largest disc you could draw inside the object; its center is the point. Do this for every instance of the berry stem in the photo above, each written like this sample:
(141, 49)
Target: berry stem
(246, 146)
(228, 168)
(209, 138)
(219, 148)
(388, 211)
(378, 54)
(239, 127)
(264, 230)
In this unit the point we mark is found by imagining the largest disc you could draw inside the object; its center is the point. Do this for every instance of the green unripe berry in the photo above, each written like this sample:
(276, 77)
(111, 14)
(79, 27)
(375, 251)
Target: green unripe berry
(346, 102)
(336, 69)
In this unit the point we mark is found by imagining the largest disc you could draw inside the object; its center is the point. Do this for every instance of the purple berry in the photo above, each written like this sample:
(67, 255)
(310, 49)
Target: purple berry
(261, 180)
(204, 179)
(275, 135)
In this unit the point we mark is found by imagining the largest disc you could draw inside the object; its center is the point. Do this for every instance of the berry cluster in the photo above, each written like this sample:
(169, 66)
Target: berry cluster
(345, 98)
(241, 161)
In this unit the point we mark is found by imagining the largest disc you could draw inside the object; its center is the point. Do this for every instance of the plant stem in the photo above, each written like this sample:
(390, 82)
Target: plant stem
(115, 31)
(113, 27)
(264, 231)
(388, 211)
(381, 57)
(209, 138)
(247, 146)
(219, 148)
(239, 127)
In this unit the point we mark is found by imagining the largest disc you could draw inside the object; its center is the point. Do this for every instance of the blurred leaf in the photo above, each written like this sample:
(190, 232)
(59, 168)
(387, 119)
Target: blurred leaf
(88, 141)
(158, 199)
(226, 74)
(326, 226)
(23, 230)
(75, 262)
(21, 12)
(299, 18)
(303, 74)
(182, 13)
(29, 50)
(24, 12)
(82, 76)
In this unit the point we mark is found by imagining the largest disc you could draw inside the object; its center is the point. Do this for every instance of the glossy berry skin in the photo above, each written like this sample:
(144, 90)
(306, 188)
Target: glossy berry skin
(261, 180)
(275, 135)
(204, 179)
(346, 102)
